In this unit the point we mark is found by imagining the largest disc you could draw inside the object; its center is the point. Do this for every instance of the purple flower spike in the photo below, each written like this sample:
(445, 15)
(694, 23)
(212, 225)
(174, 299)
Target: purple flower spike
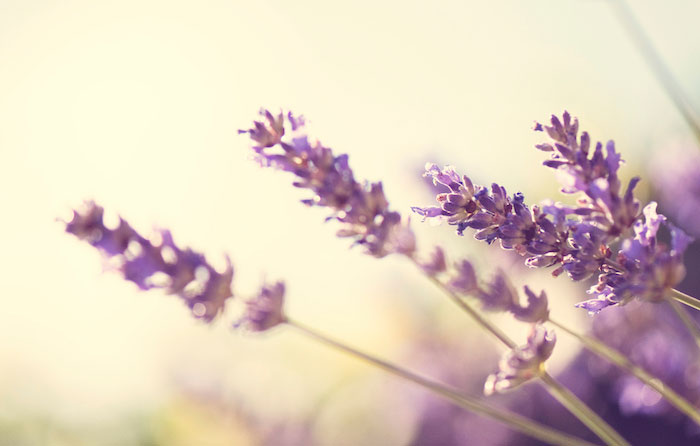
(264, 311)
(523, 363)
(141, 260)
(361, 208)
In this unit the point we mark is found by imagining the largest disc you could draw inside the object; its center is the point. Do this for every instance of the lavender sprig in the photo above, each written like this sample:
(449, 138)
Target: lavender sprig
(581, 239)
(361, 208)
(156, 262)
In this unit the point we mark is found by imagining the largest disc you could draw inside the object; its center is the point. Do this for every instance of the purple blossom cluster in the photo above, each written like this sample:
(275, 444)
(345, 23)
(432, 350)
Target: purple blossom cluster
(523, 363)
(282, 142)
(156, 262)
(579, 240)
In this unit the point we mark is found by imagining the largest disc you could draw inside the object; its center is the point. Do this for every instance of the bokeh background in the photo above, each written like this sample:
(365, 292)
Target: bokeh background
(136, 104)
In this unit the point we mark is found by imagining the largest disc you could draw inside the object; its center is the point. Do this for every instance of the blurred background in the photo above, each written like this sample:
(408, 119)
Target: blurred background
(136, 104)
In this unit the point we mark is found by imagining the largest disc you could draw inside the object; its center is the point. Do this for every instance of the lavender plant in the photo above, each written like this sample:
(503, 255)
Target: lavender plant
(604, 233)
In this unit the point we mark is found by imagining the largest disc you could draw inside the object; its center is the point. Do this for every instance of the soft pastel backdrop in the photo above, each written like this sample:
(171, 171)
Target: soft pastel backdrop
(136, 104)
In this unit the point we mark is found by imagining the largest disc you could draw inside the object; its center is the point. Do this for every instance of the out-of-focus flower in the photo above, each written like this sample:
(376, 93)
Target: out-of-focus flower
(157, 262)
(265, 310)
(464, 278)
(652, 338)
(536, 310)
(436, 264)
(522, 363)
(500, 295)
(675, 173)
(361, 208)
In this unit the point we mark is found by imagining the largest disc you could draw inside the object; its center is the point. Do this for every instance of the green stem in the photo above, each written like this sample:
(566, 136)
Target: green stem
(582, 411)
(686, 319)
(604, 351)
(513, 420)
(657, 65)
(577, 407)
(685, 299)
(478, 318)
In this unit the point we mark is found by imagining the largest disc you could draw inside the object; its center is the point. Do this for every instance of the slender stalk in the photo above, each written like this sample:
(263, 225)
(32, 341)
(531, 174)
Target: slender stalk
(657, 65)
(685, 299)
(582, 411)
(513, 420)
(482, 321)
(577, 407)
(686, 319)
(604, 351)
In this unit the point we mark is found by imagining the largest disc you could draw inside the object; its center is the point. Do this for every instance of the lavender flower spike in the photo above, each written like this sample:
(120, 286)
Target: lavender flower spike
(156, 262)
(522, 363)
(264, 311)
(362, 209)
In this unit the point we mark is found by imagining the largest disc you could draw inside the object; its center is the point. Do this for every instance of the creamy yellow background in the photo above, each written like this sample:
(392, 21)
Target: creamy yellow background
(136, 104)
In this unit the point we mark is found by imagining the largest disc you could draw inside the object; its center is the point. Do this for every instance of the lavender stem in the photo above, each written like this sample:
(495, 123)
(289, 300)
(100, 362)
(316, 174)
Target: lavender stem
(685, 299)
(615, 357)
(687, 320)
(478, 318)
(513, 420)
(582, 411)
(657, 65)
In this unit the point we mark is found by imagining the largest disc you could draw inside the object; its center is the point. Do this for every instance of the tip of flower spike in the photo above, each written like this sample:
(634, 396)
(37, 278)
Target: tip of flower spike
(538, 127)
(264, 311)
(268, 131)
